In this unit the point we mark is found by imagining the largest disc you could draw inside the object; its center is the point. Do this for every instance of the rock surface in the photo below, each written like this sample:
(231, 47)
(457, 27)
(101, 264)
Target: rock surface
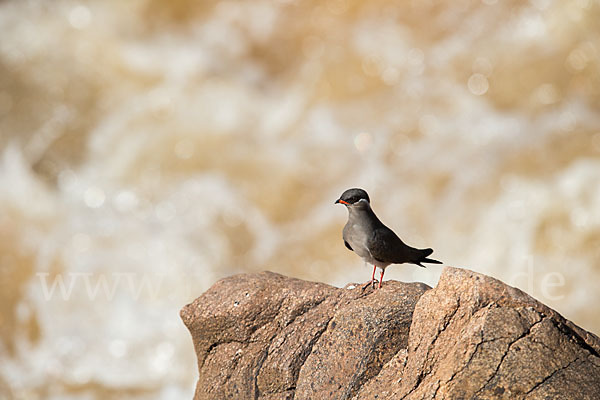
(266, 336)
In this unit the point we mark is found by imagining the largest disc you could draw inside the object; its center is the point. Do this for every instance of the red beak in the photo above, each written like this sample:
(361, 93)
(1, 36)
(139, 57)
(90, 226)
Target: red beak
(342, 202)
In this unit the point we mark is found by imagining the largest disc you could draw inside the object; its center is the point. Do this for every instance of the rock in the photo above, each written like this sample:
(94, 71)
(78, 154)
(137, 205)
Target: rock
(475, 337)
(271, 337)
(266, 336)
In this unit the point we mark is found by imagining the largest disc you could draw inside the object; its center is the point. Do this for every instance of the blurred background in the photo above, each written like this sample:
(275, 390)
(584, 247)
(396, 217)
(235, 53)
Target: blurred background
(149, 148)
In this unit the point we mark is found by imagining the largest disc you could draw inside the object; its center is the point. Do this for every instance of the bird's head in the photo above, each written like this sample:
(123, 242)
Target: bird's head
(354, 198)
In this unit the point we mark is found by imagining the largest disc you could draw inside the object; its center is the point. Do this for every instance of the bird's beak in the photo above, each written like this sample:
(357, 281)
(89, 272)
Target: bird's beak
(339, 201)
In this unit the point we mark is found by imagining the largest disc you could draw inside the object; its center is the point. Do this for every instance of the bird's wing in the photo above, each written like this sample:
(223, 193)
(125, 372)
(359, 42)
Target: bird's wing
(348, 246)
(385, 246)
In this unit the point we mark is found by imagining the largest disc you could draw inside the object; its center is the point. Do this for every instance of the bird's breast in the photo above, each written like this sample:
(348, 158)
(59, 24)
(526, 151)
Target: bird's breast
(357, 237)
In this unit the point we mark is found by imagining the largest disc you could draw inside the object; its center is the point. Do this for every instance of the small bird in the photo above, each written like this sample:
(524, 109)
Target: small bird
(368, 237)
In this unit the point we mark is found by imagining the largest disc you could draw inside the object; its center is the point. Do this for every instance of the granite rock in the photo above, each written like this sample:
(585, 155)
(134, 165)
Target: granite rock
(266, 336)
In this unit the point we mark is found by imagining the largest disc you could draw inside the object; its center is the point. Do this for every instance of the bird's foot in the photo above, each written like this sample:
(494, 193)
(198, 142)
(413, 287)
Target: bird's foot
(371, 283)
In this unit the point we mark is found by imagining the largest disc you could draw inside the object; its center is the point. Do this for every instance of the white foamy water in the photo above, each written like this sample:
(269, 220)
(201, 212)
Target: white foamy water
(150, 148)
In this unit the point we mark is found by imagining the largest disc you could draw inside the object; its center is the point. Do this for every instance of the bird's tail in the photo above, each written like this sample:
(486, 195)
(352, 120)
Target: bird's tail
(421, 257)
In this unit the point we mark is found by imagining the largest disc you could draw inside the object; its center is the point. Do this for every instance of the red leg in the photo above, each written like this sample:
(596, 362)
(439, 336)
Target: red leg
(381, 279)
(373, 276)
(372, 281)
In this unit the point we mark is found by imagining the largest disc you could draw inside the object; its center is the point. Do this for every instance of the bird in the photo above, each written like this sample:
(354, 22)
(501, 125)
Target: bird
(374, 242)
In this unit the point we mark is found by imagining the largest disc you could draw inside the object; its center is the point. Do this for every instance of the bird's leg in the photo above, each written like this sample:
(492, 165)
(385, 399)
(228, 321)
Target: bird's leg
(373, 276)
(381, 278)
(372, 281)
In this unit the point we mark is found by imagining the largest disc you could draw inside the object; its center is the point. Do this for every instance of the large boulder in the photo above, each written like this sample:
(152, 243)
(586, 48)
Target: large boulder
(266, 336)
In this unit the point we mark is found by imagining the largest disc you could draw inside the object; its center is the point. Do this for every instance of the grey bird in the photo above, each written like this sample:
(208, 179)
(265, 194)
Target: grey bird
(377, 244)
